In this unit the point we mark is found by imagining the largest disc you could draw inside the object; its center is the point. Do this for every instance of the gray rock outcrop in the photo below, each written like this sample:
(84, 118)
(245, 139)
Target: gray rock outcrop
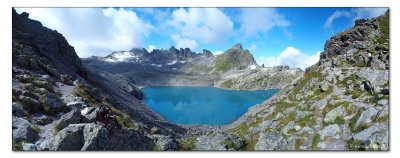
(22, 130)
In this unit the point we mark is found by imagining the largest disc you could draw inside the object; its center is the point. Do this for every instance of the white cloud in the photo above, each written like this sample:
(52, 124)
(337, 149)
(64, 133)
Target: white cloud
(367, 12)
(356, 13)
(207, 25)
(218, 52)
(254, 20)
(252, 47)
(181, 42)
(335, 15)
(151, 48)
(94, 31)
(291, 57)
(288, 34)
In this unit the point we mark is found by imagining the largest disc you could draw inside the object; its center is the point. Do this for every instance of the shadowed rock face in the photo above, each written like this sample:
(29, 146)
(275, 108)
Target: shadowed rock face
(51, 87)
(37, 47)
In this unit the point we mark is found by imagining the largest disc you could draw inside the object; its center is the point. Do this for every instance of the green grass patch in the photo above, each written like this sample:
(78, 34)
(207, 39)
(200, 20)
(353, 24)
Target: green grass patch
(279, 108)
(241, 130)
(17, 146)
(35, 128)
(187, 144)
(354, 144)
(353, 122)
(201, 68)
(339, 121)
(384, 28)
(84, 92)
(287, 118)
(298, 143)
(382, 119)
(307, 120)
(227, 83)
(156, 148)
(315, 141)
(122, 118)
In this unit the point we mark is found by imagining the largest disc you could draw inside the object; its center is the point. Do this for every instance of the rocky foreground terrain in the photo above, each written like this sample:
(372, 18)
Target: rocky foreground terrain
(55, 99)
(340, 103)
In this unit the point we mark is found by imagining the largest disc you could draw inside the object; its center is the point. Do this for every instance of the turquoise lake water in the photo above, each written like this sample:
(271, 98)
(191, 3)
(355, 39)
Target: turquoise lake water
(202, 105)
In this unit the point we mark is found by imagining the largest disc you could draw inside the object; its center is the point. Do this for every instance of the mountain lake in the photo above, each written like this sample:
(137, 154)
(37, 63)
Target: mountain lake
(202, 105)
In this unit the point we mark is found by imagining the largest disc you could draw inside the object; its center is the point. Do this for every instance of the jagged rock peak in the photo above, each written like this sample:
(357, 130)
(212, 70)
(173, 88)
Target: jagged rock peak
(237, 46)
(207, 53)
(144, 50)
(173, 49)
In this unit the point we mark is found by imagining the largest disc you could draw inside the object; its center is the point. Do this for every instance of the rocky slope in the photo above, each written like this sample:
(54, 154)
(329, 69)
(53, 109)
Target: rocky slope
(275, 77)
(340, 103)
(55, 99)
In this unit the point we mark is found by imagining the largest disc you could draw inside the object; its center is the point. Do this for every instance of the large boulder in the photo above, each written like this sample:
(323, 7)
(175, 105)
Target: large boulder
(332, 144)
(70, 138)
(17, 109)
(52, 101)
(29, 147)
(166, 142)
(329, 131)
(98, 138)
(89, 114)
(375, 77)
(220, 141)
(30, 104)
(44, 145)
(324, 86)
(72, 117)
(274, 141)
(375, 137)
(366, 117)
(288, 127)
(22, 130)
(335, 113)
(76, 105)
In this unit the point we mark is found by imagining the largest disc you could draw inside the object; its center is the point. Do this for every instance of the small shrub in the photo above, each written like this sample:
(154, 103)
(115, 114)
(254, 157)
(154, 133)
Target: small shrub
(30, 105)
(17, 146)
(35, 128)
(229, 144)
(339, 121)
(156, 148)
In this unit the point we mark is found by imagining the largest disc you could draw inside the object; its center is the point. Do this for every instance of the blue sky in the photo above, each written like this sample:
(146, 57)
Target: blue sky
(290, 36)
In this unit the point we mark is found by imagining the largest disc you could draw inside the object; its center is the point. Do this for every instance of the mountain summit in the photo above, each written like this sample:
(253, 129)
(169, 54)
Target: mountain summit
(237, 46)
(235, 58)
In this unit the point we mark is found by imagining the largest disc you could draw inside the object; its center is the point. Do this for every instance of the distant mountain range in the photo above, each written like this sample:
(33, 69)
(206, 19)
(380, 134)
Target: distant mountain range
(235, 58)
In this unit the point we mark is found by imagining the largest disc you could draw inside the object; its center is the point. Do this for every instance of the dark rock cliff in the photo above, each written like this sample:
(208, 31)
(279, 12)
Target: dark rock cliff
(47, 49)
